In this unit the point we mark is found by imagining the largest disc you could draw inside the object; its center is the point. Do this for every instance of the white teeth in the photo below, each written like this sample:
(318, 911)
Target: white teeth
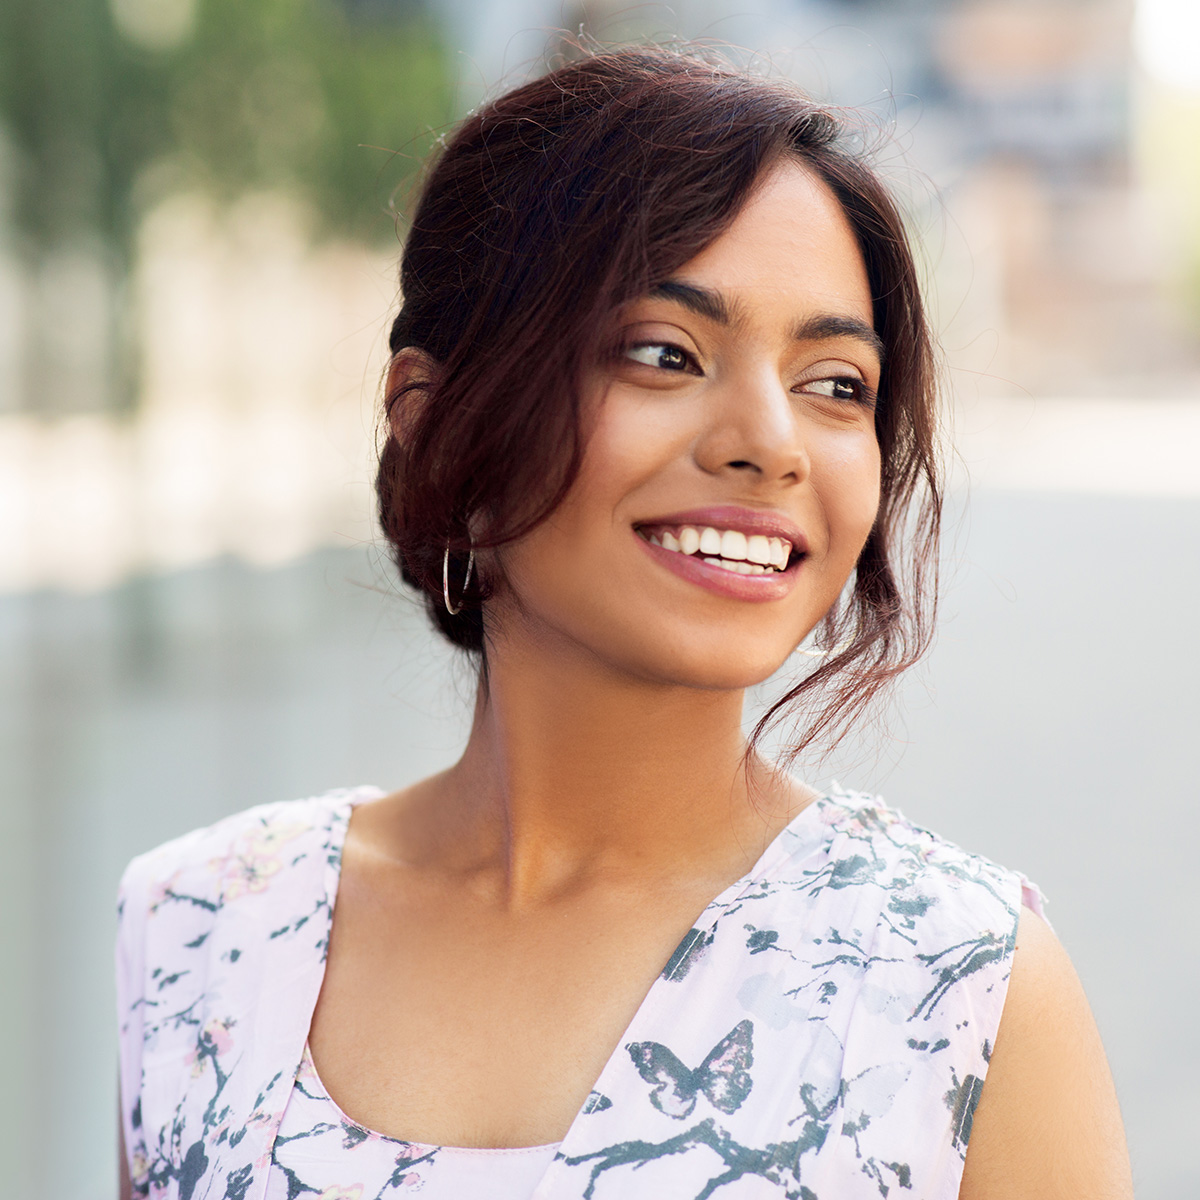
(758, 548)
(733, 544)
(736, 568)
(752, 554)
(725, 565)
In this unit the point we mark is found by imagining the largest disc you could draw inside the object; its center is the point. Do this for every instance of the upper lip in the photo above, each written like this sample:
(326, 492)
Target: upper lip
(745, 520)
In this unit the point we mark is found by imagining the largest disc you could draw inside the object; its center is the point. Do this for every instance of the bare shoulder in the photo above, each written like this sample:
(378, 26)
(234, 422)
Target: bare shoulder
(1047, 1126)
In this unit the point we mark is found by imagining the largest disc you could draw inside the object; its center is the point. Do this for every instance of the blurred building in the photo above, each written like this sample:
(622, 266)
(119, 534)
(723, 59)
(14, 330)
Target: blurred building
(1042, 134)
(1058, 268)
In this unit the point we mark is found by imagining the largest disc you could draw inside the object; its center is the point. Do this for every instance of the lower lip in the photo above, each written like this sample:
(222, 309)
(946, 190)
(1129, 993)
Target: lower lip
(761, 588)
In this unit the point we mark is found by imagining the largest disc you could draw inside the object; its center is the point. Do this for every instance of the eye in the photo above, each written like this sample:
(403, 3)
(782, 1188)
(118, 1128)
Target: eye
(840, 387)
(661, 355)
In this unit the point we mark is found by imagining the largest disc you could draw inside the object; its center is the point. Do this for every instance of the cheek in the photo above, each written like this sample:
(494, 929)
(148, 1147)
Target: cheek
(624, 448)
(631, 438)
(633, 444)
(848, 480)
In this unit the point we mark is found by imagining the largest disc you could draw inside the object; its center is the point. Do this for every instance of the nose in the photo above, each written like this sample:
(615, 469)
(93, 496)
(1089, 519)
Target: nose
(752, 428)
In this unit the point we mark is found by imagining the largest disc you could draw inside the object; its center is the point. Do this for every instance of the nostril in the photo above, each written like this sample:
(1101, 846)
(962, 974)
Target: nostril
(744, 465)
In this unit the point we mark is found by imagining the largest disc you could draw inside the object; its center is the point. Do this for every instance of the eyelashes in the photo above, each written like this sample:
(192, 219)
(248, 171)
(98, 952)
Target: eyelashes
(845, 388)
(672, 359)
(661, 355)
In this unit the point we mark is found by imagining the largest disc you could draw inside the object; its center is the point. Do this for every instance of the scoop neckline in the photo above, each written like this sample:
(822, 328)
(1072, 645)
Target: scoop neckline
(774, 853)
(321, 1092)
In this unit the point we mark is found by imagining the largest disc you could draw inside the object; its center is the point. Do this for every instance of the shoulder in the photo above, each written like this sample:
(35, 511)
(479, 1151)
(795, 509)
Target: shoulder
(246, 870)
(874, 959)
(219, 933)
(859, 817)
(242, 854)
(925, 876)
(1048, 1125)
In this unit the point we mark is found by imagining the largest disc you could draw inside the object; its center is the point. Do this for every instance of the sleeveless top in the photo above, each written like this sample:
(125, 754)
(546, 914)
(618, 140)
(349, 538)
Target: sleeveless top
(822, 1033)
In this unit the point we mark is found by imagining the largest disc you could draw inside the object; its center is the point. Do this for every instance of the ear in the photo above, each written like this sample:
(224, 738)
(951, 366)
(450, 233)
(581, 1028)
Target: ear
(411, 379)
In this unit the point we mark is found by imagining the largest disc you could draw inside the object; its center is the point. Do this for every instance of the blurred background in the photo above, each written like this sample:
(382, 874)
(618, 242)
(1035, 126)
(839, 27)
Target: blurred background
(197, 267)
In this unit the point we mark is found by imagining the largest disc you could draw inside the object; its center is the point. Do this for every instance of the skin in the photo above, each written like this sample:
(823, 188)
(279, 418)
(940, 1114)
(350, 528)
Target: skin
(1047, 1126)
(498, 925)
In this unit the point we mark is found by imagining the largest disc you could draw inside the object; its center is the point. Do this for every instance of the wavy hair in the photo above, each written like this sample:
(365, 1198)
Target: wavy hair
(548, 209)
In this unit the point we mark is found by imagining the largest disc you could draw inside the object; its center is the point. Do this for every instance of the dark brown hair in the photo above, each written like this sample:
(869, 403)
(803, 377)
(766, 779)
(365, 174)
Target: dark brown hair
(548, 209)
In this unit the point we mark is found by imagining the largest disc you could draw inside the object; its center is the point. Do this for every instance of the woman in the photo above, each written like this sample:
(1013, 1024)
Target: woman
(660, 405)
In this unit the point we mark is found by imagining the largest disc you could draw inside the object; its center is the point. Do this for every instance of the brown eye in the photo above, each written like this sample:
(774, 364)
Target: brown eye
(840, 388)
(664, 357)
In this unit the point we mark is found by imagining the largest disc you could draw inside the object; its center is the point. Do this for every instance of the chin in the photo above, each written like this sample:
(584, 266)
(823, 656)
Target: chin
(724, 667)
(649, 645)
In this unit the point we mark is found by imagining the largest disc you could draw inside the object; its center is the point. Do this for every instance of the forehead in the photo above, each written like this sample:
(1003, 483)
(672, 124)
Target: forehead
(790, 252)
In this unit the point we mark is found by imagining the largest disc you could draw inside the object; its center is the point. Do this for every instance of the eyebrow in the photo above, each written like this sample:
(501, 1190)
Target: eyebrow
(828, 325)
(703, 301)
(711, 304)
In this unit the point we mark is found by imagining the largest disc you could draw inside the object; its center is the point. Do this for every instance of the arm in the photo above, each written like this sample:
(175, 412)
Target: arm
(1047, 1126)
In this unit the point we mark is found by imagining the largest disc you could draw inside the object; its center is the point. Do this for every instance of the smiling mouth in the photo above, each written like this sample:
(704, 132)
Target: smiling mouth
(729, 549)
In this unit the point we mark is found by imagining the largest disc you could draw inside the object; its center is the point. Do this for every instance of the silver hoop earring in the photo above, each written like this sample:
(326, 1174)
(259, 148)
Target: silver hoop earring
(446, 580)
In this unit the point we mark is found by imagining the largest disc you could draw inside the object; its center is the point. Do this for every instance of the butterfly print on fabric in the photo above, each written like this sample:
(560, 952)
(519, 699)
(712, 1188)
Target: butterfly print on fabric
(724, 1075)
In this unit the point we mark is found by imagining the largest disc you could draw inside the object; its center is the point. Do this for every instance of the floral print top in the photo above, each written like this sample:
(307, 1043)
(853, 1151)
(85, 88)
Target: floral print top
(822, 1033)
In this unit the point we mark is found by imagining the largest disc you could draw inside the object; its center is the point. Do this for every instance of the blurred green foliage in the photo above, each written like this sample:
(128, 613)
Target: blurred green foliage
(107, 104)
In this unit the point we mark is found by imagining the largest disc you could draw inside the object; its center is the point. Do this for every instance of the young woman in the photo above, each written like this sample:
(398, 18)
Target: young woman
(660, 406)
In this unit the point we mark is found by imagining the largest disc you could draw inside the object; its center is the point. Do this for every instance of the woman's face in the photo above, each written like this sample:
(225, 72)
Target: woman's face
(732, 472)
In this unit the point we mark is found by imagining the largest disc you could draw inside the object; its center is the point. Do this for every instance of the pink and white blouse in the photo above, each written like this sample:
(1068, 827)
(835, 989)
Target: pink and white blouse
(822, 1033)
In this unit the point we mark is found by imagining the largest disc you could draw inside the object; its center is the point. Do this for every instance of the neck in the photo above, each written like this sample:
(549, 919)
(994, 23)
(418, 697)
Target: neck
(575, 772)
